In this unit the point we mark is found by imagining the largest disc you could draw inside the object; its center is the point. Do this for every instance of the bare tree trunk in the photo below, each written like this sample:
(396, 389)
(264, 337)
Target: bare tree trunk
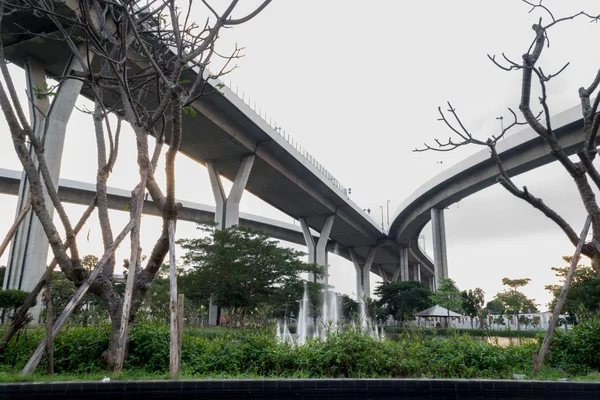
(136, 216)
(15, 226)
(37, 355)
(175, 332)
(538, 359)
(50, 341)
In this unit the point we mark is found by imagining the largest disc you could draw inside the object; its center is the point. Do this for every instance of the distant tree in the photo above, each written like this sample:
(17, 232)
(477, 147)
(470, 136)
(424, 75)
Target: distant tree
(242, 268)
(499, 320)
(10, 300)
(349, 307)
(525, 320)
(514, 301)
(473, 301)
(286, 299)
(373, 310)
(494, 307)
(447, 296)
(584, 293)
(402, 300)
(2, 271)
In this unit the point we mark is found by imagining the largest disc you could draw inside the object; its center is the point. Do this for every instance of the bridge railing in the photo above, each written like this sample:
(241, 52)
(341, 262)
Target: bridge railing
(307, 156)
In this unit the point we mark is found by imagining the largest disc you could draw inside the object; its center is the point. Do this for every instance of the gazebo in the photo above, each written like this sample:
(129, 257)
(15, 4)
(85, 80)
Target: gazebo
(437, 311)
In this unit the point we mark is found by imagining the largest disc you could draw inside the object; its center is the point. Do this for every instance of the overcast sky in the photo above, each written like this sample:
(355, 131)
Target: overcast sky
(358, 84)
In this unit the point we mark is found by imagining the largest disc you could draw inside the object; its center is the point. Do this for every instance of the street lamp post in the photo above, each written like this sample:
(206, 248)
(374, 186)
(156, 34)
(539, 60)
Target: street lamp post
(382, 226)
(388, 213)
(501, 118)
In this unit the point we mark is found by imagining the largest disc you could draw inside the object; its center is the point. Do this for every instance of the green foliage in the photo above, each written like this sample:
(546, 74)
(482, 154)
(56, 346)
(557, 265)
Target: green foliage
(2, 272)
(473, 301)
(244, 269)
(515, 284)
(89, 310)
(447, 296)
(155, 304)
(495, 307)
(578, 349)
(43, 92)
(258, 354)
(501, 333)
(11, 299)
(149, 348)
(76, 350)
(350, 307)
(402, 300)
(584, 292)
(189, 110)
(472, 304)
(513, 301)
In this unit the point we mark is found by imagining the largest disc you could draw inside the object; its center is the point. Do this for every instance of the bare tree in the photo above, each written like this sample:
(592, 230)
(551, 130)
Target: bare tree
(541, 122)
(146, 63)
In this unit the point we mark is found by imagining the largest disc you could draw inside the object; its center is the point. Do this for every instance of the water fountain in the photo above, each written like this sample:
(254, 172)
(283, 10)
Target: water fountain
(329, 319)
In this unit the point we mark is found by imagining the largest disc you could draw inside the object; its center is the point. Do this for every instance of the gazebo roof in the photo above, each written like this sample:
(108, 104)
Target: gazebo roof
(437, 311)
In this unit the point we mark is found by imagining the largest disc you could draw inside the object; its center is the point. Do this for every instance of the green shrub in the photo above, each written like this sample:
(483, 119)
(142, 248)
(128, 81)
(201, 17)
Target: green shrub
(471, 332)
(578, 349)
(259, 354)
(76, 349)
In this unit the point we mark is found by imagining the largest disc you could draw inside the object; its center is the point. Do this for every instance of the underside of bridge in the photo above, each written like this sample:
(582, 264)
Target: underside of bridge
(223, 132)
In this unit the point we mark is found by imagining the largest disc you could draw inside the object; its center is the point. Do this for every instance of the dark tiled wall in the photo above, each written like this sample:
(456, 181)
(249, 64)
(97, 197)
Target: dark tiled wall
(304, 389)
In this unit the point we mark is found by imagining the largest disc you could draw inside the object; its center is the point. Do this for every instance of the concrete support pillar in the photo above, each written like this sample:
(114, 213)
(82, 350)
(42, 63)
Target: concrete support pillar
(431, 283)
(383, 274)
(440, 257)
(227, 213)
(404, 270)
(396, 275)
(29, 249)
(363, 279)
(317, 251)
(417, 272)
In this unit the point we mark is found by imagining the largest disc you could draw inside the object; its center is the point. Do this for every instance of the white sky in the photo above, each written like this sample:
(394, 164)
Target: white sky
(358, 85)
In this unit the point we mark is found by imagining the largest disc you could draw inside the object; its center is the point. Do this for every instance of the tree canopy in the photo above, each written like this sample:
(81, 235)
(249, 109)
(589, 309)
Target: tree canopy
(402, 300)
(473, 302)
(584, 292)
(242, 268)
(495, 307)
(349, 306)
(515, 302)
(447, 295)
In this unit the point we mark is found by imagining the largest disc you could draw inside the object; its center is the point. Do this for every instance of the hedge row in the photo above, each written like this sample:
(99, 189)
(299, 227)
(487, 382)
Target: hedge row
(471, 332)
(346, 354)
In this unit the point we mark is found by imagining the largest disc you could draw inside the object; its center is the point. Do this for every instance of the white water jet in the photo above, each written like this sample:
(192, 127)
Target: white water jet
(334, 310)
(278, 330)
(330, 319)
(286, 335)
(302, 324)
